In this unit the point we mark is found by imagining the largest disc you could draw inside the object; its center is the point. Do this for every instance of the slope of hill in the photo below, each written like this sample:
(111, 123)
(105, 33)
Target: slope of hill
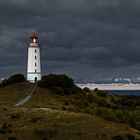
(42, 124)
(54, 115)
(10, 94)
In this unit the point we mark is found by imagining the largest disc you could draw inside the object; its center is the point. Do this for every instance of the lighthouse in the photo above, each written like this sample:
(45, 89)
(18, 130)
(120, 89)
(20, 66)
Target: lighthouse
(34, 65)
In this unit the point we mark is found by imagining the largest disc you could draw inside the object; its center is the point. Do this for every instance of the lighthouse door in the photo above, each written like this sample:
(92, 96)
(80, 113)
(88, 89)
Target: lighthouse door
(35, 79)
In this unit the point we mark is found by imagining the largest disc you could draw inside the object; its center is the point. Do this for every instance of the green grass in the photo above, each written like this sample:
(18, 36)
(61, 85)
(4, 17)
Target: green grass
(37, 124)
(13, 92)
(49, 116)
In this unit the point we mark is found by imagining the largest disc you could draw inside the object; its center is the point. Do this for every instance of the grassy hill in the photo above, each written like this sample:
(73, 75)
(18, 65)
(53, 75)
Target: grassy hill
(12, 93)
(53, 115)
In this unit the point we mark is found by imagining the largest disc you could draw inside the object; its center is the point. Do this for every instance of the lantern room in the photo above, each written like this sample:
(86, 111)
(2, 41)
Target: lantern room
(34, 38)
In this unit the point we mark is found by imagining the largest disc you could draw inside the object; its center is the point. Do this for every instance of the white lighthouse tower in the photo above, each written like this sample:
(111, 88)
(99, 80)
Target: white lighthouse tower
(34, 66)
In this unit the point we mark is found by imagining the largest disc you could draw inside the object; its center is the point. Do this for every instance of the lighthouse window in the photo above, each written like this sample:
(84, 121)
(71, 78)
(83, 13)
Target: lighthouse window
(35, 50)
(35, 64)
(35, 70)
(35, 57)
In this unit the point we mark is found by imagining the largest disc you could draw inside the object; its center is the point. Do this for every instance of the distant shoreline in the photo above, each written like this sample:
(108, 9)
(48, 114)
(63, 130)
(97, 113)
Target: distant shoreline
(112, 86)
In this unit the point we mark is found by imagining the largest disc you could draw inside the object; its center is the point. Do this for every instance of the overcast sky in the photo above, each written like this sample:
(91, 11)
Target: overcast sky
(86, 39)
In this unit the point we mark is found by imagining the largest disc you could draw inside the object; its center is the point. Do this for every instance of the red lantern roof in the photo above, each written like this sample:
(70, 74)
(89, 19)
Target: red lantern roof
(34, 36)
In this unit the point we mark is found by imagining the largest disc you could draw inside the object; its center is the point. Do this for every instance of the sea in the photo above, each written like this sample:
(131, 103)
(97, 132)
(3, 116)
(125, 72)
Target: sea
(125, 92)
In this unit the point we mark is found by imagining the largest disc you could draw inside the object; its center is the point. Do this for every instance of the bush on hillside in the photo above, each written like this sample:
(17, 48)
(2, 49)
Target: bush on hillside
(86, 90)
(101, 93)
(118, 138)
(17, 78)
(107, 114)
(59, 84)
(96, 89)
(125, 137)
(3, 83)
(127, 102)
(53, 80)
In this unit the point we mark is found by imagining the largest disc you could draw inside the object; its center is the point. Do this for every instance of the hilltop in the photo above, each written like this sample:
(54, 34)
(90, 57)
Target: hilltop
(74, 114)
(51, 115)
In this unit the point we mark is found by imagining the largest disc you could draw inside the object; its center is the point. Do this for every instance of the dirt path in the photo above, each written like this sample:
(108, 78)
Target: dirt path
(24, 100)
(27, 98)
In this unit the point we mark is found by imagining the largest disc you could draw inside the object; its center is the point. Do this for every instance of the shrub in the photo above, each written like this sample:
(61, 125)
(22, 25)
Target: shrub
(106, 114)
(59, 84)
(44, 138)
(17, 78)
(6, 128)
(12, 138)
(46, 134)
(125, 137)
(34, 119)
(102, 103)
(101, 93)
(130, 137)
(118, 138)
(134, 120)
(86, 90)
(123, 116)
(75, 90)
(54, 80)
(3, 83)
(90, 98)
(126, 102)
(58, 90)
(15, 116)
(89, 110)
(96, 89)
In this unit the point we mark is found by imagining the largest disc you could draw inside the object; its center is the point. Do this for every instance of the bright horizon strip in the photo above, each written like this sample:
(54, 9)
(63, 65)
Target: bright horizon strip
(112, 86)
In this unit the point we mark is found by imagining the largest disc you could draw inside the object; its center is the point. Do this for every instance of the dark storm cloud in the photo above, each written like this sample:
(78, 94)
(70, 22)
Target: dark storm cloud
(82, 38)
